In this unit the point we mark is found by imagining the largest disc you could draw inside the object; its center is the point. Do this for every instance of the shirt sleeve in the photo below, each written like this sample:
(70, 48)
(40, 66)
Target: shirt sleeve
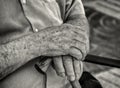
(74, 8)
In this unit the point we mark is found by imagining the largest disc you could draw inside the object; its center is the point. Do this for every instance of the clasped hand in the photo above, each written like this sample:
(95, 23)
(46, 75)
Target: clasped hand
(69, 66)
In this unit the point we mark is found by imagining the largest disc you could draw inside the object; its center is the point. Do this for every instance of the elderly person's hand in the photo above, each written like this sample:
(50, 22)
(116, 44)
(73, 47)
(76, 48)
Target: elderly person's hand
(68, 66)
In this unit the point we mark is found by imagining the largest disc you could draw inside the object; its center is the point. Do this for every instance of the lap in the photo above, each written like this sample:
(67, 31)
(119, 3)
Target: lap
(25, 77)
(28, 77)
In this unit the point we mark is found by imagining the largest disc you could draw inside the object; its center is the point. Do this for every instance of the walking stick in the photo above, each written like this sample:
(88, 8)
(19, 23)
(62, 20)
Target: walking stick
(102, 60)
(94, 59)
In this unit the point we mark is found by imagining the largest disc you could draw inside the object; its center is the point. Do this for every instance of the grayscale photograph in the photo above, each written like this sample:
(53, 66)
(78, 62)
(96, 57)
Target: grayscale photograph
(59, 43)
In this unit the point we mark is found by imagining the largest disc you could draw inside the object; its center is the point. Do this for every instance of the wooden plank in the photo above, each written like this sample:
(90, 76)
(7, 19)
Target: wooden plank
(106, 84)
(109, 5)
(114, 2)
(109, 77)
(104, 7)
(94, 68)
(115, 71)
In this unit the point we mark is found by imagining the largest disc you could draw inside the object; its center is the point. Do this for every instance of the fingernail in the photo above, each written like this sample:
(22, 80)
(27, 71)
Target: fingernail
(76, 52)
(71, 78)
(77, 76)
(61, 74)
(76, 84)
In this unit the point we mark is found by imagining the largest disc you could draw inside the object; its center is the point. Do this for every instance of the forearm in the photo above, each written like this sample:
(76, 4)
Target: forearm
(53, 41)
(18, 52)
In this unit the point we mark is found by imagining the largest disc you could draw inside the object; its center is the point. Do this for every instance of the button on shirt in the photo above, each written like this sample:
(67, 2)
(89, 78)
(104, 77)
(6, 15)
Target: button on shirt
(42, 13)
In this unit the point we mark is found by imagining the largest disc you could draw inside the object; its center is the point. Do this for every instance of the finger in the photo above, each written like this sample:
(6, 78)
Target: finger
(59, 66)
(75, 84)
(76, 65)
(78, 68)
(81, 68)
(68, 65)
(76, 53)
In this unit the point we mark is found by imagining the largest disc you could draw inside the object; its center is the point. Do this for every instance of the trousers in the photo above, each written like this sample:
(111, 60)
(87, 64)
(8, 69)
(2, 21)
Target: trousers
(29, 76)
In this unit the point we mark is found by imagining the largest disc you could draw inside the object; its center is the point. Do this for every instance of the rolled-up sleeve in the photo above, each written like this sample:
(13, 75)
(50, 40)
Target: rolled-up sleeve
(74, 7)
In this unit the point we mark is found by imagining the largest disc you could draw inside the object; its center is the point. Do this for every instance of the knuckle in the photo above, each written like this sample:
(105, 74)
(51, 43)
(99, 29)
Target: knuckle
(77, 76)
(71, 77)
(62, 74)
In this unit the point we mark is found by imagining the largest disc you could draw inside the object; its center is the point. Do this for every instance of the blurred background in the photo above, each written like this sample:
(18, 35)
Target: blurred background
(104, 20)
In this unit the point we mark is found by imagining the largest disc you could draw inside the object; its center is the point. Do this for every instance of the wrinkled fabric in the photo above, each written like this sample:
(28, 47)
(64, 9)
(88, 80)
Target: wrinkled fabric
(52, 79)
(41, 14)
(13, 23)
(46, 13)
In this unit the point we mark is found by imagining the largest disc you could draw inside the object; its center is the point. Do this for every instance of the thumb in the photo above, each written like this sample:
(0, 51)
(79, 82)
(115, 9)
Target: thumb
(76, 53)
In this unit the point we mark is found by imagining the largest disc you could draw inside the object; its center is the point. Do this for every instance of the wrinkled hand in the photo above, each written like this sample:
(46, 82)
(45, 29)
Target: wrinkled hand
(68, 66)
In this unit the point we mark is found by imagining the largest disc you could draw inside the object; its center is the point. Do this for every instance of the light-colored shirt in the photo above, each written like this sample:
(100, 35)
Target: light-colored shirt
(46, 13)
(42, 14)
